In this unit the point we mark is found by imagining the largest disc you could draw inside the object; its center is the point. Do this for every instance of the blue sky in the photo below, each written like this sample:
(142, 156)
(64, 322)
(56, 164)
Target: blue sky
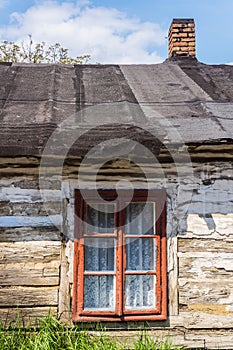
(132, 31)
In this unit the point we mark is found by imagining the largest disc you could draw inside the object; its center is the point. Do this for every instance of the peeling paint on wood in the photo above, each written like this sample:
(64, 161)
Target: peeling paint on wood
(8, 208)
(213, 309)
(214, 225)
(32, 221)
(199, 234)
(22, 195)
(27, 234)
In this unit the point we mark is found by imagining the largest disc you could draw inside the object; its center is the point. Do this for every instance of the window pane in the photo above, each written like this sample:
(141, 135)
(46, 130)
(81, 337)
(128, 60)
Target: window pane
(140, 218)
(99, 292)
(99, 254)
(100, 218)
(140, 254)
(140, 291)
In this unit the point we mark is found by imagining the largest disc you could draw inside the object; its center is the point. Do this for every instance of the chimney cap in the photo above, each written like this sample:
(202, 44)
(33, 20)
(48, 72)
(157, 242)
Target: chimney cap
(182, 20)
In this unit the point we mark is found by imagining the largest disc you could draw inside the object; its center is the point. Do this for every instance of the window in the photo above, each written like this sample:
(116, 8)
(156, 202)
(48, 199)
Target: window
(119, 256)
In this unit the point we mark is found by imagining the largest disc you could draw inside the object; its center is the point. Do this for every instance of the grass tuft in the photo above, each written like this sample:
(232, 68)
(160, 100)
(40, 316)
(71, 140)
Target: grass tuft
(54, 335)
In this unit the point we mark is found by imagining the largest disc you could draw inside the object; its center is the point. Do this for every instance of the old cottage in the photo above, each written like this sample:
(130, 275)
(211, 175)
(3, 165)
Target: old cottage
(116, 194)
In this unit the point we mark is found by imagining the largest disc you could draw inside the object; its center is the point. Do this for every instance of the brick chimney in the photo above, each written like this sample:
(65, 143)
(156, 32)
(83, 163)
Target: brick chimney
(182, 38)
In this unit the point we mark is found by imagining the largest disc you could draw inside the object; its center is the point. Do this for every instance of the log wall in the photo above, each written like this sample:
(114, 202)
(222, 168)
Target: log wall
(36, 246)
(30, 251)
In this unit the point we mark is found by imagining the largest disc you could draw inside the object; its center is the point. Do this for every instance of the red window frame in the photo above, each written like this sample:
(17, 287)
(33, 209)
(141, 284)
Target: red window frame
(79, 314)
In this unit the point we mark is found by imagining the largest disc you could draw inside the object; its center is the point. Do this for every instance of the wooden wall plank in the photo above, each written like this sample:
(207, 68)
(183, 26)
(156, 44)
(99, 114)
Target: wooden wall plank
(27, 234)
(209, 292)
(34, 221)
(25, 252)
(8, 208)
(28, 296)
(206, 268)
(199, 319)
(192, 245)
(30, 263)
(22, 275)
(64, 305)
(25, 317)
(25, 195)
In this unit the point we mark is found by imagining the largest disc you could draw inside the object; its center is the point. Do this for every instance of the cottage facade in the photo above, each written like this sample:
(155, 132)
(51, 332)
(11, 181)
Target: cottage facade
(116, 195)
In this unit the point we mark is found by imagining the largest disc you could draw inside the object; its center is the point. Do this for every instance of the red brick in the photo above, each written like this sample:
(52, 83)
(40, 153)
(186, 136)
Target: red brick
(182, 38)
(187, 30)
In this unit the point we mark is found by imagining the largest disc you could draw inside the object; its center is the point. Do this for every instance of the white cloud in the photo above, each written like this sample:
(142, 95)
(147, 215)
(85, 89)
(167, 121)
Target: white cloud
(107, 34)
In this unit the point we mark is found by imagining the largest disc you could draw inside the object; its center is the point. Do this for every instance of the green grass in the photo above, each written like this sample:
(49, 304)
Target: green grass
(54, 335)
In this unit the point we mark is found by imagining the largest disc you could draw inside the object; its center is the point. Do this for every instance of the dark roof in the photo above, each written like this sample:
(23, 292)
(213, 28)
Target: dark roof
(182, 94)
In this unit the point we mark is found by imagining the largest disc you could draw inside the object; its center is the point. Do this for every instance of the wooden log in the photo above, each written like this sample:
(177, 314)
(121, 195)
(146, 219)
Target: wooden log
(210, 292)
(29, 182)
(25, 317)
(32, 195)
(19, 234)
(26, 252)
(205, 269)
(30, 263)
(24, 275)
(64, 290)
(187, 245)
(28, 296)
(201, 319)
(8, 208)
(29, 161)
(33, 221)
